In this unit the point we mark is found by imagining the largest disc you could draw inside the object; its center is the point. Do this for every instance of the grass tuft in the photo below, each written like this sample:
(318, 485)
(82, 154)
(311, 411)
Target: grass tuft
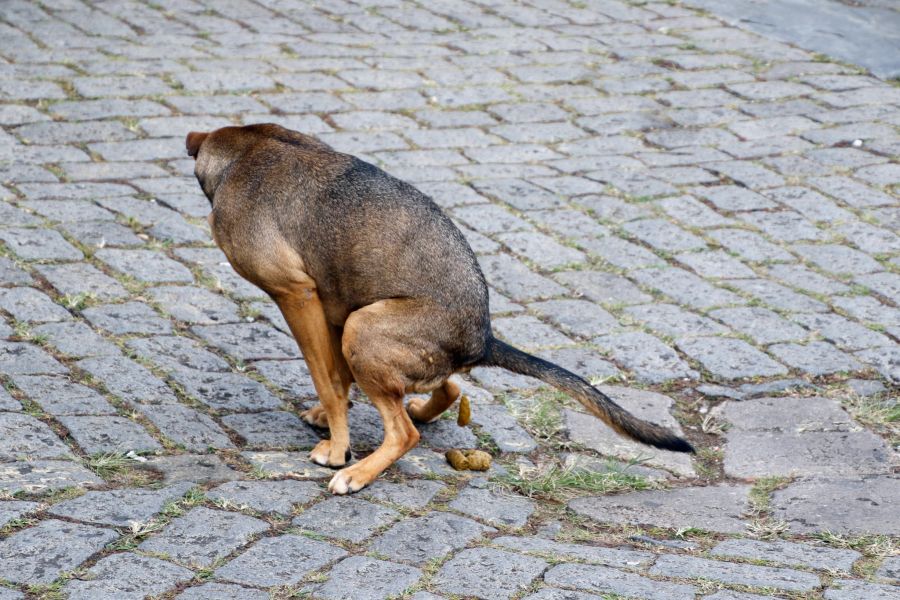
(556, 483)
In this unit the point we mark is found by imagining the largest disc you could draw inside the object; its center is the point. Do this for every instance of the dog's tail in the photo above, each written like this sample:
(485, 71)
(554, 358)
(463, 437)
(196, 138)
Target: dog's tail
(596, 402)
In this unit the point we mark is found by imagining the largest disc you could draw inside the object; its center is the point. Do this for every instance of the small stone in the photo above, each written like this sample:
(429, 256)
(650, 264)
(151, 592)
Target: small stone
(433, 536)
(175, 353)
(130, 317)
(22, 437)
(272, 429)
(126, 576)
(368, 579)
(734, 573)
(15, 509)
(248, 341)
(40, 554)
(28, 304)
(613, 557)
(203, 536)
(816, 358)
(497, 509)
(191, 467)
(730, 358)
(414, 494)
(718, 508)
(76, 339)
(849, 589)
(851, 506)
(81, 278)
(145, 265)
(58, 395)
(41, 475)
(345, 518)
(287, 464)
(191, 429)
(226, 391)
(119, 508)
(282, 560)
(20, 358)
(488, 573)
(39, 244)
(221, 591)
(788, 553)
(194, 305)
(98, 434)
(605, 580)
(266, 496)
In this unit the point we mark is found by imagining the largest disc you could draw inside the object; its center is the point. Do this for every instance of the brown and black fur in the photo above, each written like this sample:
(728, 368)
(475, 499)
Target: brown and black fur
(375, 282)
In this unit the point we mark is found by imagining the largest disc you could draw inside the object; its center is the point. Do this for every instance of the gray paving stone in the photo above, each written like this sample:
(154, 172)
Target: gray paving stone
(130, 317)
(22, 437)
(82, 278)
(558, 594)
(119, 508)
(14, 509)
(516, 280)
(579, 317)
(686, 288)
(890, 569)
(805, 279)
(226, 391)
(716, 264)
(145, 265)
(290, 376)
(777, 296)
(28, 304)
(789, 553)
(39, 244)
(40, 475)
(838, 259)
(851, 506)
(734, 198)
(670, 320)
(613, 557)
(842, 332)
(663, 235)
(367, 579)
(815, 358)
(446, 533)
(197, 468)
(604, 288)
(605, 580)
(127, 380)
(272, 429)
(753, 247)
(885, 284)
(739, 574)
(763, 325)
(222, 591)
(127, 576)
(203, 536)
(413, 494)
(40, 554)
(503, 428)
(194, 305)
(19, 358)
(849, 589)
(100, 434)
(528, 333)
(581, 361)
(443, 434)
(100, 234)
(488, 573)
(503, 510)
(282, 560)
(248, 341)
(11, 274)
(186, 427)
(717, 508)
(177, 353)
(589, 431)
(540, 249)
(293, 464)
(651, 360)
(266, 496)
(345, 518)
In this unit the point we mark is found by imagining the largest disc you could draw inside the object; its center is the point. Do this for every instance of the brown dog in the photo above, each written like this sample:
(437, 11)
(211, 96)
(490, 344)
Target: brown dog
(376, 283)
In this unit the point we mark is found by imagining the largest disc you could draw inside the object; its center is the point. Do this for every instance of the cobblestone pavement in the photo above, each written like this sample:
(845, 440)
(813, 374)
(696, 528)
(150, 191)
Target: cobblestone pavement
(700, 220)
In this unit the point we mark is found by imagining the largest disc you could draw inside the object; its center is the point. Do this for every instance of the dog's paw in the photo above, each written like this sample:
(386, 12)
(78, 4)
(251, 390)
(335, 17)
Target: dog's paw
(347, 481)
(316, 416)
(323, 454)
(416, 409)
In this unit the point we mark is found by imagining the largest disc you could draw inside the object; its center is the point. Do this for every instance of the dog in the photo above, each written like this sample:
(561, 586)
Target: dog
(376, 283)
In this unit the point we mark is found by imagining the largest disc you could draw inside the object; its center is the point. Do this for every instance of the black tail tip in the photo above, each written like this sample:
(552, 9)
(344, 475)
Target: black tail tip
(675, 444)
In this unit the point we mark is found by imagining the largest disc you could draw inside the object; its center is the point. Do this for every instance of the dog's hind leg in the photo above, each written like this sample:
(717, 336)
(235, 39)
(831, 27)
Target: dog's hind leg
(426, 411)
(302, 309)
(391, 349)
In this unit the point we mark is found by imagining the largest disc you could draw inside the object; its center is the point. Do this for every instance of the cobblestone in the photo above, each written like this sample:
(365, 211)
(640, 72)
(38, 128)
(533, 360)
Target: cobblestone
(689, 204)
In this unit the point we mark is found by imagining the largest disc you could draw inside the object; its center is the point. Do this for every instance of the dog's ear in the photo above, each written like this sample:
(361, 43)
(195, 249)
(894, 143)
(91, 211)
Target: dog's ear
(193, 141)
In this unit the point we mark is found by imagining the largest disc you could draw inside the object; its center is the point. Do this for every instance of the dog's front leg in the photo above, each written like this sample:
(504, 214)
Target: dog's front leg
(302, 309)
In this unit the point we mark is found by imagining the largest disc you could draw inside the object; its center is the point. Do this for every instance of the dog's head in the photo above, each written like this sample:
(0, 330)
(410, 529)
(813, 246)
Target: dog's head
(216, 151)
